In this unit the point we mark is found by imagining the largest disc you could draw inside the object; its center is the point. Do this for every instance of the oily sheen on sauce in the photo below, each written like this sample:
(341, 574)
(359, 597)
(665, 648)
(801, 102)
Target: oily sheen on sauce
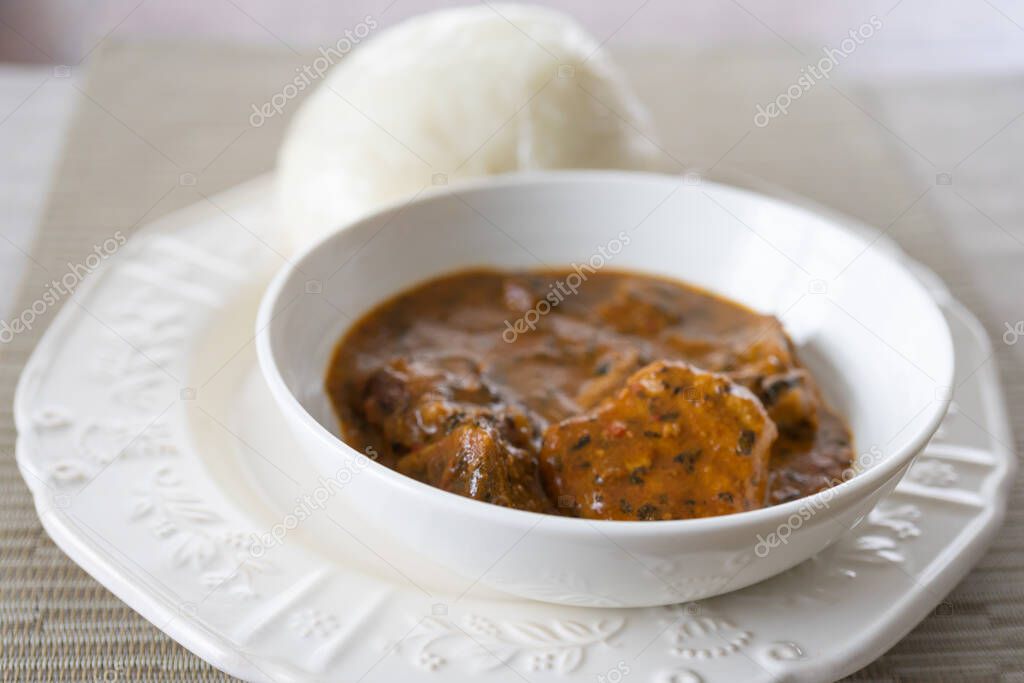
(624, 396)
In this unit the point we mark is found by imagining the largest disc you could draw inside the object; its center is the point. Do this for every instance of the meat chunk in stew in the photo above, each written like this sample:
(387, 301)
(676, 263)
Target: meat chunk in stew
(640, 308)
(676, 442)
(413, 402)
(610, 372)
(763, 359)
(792, 401)
(475, 461)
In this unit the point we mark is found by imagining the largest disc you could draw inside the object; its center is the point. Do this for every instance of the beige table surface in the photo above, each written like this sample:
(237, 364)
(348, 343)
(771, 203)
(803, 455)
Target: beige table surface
(147, 114)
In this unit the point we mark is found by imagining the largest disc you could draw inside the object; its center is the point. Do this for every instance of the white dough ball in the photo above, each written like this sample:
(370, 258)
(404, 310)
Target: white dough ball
(455, 94)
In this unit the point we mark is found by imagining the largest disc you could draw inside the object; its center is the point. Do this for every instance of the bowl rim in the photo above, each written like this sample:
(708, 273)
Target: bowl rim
(836, 497)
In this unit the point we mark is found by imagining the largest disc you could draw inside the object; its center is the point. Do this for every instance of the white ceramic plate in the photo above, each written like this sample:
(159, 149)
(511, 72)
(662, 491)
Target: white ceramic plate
(155, 455)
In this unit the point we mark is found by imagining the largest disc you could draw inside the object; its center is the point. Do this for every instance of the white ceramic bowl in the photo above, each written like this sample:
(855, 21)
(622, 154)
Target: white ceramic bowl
(864, 325)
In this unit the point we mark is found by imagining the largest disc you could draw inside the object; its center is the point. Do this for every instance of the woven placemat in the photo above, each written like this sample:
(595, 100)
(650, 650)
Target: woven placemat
(159, 123)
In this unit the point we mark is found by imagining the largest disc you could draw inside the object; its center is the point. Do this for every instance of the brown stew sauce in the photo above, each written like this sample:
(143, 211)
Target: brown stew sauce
(606, 395)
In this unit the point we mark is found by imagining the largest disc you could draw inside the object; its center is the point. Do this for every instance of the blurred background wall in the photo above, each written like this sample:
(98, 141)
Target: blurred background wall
(929, 36)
